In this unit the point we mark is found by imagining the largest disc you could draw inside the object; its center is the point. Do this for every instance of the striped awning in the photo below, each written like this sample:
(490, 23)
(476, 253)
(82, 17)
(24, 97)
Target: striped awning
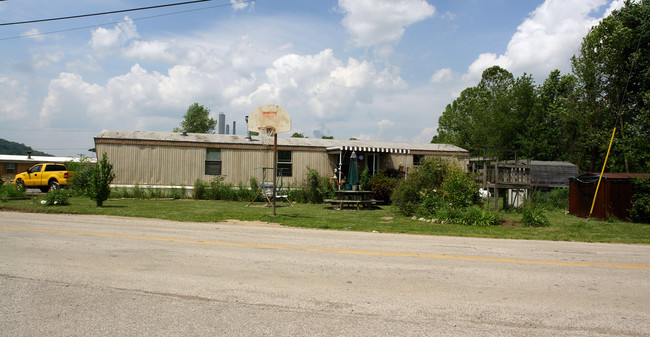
(369, 149)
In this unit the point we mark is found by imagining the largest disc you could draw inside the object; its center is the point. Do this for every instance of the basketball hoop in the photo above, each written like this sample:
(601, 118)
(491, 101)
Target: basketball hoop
(266, 134)
(269, 120)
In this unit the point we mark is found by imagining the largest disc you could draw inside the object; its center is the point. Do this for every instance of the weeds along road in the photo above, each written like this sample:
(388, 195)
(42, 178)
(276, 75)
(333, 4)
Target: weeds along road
(63, 275)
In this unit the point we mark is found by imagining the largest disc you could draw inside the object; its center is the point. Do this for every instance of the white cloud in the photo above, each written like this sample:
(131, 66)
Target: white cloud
(136, 98)
(238, 4)
(426, 135)
(377, 22)
(383, 126)
(546, 40)
(13, 99)
(33, 34)
(327, 87)
(616, 4)
(88, 63)
(46, 59)
(104, 40)
(442, 75)
(156, 51)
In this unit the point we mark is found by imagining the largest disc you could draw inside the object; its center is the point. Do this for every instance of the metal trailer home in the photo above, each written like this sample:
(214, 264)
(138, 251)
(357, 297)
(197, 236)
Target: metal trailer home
(165, 159)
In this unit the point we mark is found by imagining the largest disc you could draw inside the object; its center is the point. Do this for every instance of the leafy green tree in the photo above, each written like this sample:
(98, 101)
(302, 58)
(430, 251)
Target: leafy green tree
(101, 177)
(197, 120)
(613, 72)
(569, 117)
(297, 135)
(487, 114)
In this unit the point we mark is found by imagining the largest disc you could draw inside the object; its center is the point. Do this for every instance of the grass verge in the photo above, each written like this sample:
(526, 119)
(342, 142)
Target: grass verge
(384, 219)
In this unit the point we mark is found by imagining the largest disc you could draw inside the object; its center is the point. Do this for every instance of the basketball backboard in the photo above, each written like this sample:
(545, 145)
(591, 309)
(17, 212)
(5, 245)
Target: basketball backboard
(269, 116)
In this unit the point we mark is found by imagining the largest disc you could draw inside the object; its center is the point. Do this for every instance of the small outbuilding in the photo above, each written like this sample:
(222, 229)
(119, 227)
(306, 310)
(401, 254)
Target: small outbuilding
(614, 195)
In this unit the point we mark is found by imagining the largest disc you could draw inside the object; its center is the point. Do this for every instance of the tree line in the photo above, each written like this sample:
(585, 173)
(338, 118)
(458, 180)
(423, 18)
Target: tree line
(569, 117)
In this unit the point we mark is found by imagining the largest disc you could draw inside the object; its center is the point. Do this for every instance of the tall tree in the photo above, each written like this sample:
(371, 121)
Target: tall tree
(197, 120)
(484, 115)
(101, 176)
(613, 72)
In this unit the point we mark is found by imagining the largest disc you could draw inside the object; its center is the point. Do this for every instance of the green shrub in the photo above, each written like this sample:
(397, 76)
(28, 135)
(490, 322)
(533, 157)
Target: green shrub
(557, 198)
(382, 187)
(534, 217)
(120, 192)
(364, 181)
(254, 184)
(469, 216)
(83, 170)
(218, 190)
(421, 183)
(56, 197)
(8, 191)
(177, 193)
(436, 184)
(297, 195)
(313, 188)
(477, 216)
(138, 192)
(459, 189)
(101, 177)
(199, 191)
(640, 211)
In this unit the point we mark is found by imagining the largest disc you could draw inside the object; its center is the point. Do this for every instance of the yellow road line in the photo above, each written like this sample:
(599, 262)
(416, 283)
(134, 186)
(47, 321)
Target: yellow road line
(331, 250)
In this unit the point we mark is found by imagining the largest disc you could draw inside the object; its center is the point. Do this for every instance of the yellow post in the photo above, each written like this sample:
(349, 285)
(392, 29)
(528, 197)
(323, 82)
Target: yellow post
(601, 173)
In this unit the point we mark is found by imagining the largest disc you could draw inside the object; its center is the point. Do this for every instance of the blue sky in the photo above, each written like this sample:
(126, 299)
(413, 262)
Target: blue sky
(369, 69)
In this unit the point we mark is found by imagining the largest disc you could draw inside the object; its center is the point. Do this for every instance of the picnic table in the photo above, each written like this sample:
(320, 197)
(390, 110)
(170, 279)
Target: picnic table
(352, 198)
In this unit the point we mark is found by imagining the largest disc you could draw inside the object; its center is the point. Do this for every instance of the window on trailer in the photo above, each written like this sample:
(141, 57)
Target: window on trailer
(11, 168)
(284, 163)
(418, 159)
(213, 162)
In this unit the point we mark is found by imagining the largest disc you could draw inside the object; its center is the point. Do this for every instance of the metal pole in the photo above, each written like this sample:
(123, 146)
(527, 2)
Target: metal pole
(340, 164)
(593, 202)
(275, 169)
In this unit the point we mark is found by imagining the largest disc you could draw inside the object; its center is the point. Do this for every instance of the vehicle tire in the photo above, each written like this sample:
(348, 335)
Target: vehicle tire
(20, 185)
(53, 185)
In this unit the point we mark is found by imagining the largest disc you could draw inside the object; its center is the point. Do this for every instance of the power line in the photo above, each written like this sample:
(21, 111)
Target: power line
(112, 12)
(116, 22)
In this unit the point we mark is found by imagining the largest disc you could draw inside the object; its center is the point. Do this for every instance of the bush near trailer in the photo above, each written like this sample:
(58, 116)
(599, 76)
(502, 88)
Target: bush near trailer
(441, 190)
(9, 191)
(640, 211)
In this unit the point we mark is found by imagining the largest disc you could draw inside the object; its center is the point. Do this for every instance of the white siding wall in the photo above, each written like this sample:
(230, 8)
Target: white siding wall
(154, 165)
(167, 165)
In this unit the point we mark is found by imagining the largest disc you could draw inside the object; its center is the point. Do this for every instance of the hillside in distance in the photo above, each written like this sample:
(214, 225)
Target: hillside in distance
(13, 148)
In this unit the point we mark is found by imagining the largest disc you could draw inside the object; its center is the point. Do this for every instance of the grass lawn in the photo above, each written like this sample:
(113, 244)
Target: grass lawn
(384, 219)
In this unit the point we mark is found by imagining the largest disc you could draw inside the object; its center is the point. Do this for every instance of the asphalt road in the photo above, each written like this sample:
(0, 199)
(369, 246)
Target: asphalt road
(70, 275)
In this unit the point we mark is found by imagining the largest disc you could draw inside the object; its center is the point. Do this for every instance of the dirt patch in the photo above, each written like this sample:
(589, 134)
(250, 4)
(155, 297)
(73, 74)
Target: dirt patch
(252, 223)
(509, 223)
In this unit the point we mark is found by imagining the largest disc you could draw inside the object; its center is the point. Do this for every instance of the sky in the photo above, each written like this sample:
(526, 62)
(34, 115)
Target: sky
(366, 69)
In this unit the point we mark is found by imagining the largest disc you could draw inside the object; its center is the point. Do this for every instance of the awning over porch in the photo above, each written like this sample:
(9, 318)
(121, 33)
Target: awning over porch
(369, 149)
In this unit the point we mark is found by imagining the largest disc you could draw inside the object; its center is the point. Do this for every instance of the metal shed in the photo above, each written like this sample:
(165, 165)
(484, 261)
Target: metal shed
(614, 195)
